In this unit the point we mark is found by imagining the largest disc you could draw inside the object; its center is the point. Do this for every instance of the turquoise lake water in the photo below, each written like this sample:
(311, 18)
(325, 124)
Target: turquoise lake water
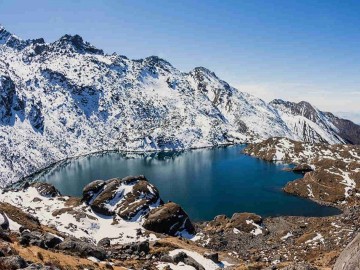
(205, 182)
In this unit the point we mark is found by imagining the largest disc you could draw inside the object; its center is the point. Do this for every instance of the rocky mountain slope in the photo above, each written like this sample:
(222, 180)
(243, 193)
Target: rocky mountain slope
(332, 172)
(68, 98)
(313, 125)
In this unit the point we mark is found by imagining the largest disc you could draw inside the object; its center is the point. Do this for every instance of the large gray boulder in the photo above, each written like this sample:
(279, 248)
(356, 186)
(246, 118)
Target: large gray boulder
(82, 248)
(169, 219)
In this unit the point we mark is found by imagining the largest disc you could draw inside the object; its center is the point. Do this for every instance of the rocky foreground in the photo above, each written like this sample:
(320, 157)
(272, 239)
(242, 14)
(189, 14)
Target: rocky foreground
(124, 224)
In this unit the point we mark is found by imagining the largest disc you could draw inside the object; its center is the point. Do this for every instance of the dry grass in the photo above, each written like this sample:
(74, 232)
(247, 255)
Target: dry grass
(60, 260)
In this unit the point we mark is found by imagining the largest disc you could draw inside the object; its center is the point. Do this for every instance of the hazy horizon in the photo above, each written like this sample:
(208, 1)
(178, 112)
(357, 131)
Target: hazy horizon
(272, 49)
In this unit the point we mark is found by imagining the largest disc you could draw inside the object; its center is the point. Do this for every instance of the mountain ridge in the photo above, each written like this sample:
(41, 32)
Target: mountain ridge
(69, 98)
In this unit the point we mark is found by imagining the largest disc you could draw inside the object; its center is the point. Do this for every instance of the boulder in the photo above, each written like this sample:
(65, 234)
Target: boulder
(46, 189)
(92, 189)
(131, 179)
(12, 262)
(212, 256)
(169, 219)
(51, 240)
(105, 242)
(4, 235)
(244, 221)
(82, 248)
(183, 257)
(109, 197)
(43, 240)
(4, 222)
(31, 238)
(102, 202)
(139, 200)
(41, 267)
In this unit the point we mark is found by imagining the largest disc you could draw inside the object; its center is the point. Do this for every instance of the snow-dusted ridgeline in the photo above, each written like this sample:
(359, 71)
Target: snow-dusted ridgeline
(68, 98)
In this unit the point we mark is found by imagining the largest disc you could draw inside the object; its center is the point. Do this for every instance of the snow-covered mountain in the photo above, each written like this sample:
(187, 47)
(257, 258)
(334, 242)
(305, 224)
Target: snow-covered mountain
(313, 125)
(68, 98)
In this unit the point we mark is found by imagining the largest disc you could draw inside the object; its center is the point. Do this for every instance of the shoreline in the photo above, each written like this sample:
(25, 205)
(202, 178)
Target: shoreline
(35, 177)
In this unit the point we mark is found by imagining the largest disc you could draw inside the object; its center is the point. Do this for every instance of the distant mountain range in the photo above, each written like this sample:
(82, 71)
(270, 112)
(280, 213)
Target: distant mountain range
(68, 98)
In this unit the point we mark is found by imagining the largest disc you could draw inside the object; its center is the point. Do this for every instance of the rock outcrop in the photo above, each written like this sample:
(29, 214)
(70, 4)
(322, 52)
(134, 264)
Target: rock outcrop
(349, 259)
(127, 197)
(169, 219)
(331, 171)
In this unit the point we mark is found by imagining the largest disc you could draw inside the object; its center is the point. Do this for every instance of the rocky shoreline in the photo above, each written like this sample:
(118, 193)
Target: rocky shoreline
(124, 224)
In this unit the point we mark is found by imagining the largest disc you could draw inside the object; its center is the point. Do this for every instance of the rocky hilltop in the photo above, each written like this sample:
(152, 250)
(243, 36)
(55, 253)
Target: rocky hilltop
(332, 172)
(68, 98)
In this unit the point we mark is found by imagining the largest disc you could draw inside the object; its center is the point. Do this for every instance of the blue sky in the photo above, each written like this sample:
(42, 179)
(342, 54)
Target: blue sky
(294, 50)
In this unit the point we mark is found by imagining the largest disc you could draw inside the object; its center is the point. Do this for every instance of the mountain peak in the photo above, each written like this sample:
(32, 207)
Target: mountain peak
(204, 70)
(152, 60)
(5, 35)
(77, 43)
(11, 40)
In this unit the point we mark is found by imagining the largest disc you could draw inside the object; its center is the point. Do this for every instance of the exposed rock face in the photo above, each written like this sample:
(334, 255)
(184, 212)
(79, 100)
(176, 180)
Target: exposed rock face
(335, 177)
(12, 262)
(302, 168)
(91, 189)
(82, 248)
(128, 197)
(46, 190)
(139, 200)
(107, 198)
(246, 222)
(4, 222)
(169, 218)
(43, 240)
(240, 223)
(313, 125)
(184, 258)
(349, 259)
(349, 131)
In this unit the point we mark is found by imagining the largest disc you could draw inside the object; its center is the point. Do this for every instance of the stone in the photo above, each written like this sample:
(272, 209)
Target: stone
(241, 222)
(82, 248)
(169, 219)
(51, 240)
(105, 242)
(4, 222)
(91, 189)
(212, 256)
(46, 189)
(12, 262)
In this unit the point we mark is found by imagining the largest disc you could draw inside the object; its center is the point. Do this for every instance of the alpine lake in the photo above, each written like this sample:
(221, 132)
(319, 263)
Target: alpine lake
(205, 182)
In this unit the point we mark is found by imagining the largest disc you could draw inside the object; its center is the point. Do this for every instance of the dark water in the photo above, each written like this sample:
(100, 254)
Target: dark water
(205, 182)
